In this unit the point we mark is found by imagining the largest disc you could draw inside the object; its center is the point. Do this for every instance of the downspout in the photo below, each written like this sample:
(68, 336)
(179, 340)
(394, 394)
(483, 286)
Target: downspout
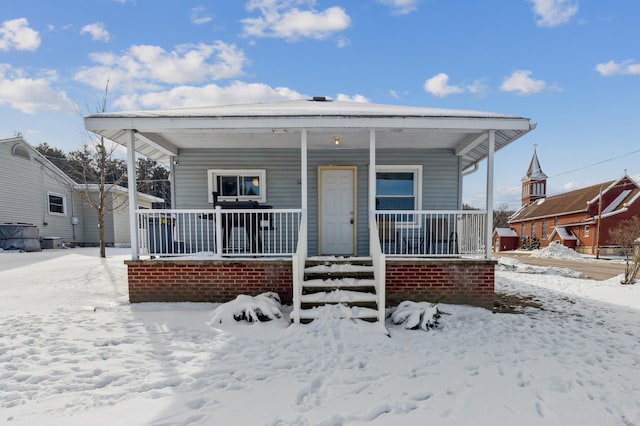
(467, 171)
(172, 180)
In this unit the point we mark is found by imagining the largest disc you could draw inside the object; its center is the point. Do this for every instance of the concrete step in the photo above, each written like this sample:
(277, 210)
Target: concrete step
(354, 312)
(339, 296)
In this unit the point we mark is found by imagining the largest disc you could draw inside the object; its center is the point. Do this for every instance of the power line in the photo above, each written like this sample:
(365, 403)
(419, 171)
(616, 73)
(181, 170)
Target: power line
(596, 163)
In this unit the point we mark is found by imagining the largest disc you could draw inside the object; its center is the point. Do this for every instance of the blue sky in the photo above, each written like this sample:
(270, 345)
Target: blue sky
(572, 66)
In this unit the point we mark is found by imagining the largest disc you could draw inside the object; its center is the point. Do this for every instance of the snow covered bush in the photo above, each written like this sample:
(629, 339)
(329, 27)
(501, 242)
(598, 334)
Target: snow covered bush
(415, 315)
(261, 308)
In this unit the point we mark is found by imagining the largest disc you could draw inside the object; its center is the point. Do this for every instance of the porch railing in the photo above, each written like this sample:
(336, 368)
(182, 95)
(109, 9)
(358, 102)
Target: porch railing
(218, 232)
(432, 233)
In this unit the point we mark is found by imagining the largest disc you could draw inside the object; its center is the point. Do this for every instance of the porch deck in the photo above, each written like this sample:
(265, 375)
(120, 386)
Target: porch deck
(199, 255)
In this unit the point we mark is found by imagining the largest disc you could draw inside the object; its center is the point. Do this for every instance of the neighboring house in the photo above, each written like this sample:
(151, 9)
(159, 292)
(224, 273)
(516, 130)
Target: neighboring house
(579, 219)
(116, 221)
(300, 182)
(34, 191)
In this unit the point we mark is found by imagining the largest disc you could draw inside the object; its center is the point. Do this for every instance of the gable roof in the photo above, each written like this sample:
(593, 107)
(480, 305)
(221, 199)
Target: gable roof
(160, 134)
(39, 157)
(578, 201)
(505, 232)
(563, 233)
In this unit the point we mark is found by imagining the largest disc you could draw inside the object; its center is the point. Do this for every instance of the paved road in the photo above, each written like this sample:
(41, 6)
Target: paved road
(597, 269)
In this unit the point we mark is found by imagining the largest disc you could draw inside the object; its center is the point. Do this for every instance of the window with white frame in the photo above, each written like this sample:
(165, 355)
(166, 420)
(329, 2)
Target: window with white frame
(398, 187)
(238, 184)
(57, 204)
(586, 230)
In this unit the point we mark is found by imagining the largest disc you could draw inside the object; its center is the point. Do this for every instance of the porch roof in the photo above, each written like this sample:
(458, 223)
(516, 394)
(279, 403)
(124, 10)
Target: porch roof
(160, 134)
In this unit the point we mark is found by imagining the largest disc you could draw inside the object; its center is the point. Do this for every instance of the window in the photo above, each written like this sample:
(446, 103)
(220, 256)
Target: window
(57, 204)
(586, 230)
(398, 187)
(533, 229)
(240, 185)
(522, 234)
(544, 228)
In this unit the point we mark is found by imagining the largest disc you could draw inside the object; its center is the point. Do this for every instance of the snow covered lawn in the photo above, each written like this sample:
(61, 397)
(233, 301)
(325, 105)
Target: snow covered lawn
(73, 351)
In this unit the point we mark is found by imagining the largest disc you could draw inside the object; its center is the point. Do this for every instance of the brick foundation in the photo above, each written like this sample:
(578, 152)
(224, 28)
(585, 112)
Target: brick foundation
(206, 280)
(448, 281)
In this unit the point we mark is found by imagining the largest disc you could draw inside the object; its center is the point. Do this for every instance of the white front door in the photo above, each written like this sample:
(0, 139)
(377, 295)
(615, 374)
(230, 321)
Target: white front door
(336, 210)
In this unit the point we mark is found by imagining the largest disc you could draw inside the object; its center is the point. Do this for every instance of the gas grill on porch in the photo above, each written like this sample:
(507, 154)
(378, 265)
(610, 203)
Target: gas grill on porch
(252, 222)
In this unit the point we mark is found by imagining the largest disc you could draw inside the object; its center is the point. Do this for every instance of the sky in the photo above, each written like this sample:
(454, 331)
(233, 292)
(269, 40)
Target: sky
(74, 351)
(572, 66)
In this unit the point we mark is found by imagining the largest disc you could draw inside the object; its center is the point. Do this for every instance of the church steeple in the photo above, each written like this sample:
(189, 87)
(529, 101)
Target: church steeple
(534, 183)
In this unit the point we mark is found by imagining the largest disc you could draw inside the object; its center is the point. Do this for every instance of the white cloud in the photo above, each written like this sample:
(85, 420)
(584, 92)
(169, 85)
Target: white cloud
(200, 15)
(520, 81)
(611, 68)
(478, 87)
(438, 85)
(97, 31)
(283, 19)
(354, 98)
(237, 92)
(343, 42)
(145, 67)
(552, 13)
(16, 34)
(401, 7)
(32, 94)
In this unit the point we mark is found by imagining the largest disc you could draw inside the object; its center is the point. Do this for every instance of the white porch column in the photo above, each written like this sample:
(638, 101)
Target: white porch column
(133, 195)
(303, 178)
(372, 171)
(489, 224)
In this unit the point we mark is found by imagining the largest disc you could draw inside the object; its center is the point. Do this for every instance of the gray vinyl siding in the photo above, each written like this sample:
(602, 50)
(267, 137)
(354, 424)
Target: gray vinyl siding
(24, 184)
(90, 222)
(282, 168)
(440, 179)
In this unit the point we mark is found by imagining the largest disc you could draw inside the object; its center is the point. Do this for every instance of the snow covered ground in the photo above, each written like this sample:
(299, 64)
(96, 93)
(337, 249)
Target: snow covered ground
(73, 351)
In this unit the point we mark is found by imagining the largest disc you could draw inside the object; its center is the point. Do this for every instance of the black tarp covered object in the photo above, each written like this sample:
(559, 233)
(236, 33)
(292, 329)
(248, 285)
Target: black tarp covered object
(19, 237)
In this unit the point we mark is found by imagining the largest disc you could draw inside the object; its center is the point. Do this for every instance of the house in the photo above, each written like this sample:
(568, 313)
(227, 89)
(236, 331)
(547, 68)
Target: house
(505, 239)
(274, 196)
(36, 193)
(579, 219)
(116, 221)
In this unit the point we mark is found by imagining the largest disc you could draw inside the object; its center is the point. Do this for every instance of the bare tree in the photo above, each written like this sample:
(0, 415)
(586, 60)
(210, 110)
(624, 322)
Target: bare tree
(626, 234)
(94, 166)
(501, 215)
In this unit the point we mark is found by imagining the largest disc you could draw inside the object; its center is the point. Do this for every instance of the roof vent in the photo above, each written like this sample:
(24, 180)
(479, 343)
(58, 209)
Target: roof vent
(21, 151)
(320, 99)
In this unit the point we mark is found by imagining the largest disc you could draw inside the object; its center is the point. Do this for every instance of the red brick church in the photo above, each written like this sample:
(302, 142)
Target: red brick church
(579, 219)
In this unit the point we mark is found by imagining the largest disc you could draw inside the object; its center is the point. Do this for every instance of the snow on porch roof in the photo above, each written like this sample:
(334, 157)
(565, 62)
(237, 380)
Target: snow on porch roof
(160, 134)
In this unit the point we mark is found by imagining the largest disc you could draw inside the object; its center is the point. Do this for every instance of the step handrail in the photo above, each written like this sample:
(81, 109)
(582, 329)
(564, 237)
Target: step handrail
(299, 259)
(378, 260)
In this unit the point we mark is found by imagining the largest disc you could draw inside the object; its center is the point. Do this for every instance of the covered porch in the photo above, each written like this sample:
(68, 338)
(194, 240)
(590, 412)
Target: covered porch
(313, 178)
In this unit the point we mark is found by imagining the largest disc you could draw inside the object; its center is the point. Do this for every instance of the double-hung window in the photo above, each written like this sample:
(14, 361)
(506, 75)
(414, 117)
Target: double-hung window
(399, 188)
(237, 185)
(57, 204)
